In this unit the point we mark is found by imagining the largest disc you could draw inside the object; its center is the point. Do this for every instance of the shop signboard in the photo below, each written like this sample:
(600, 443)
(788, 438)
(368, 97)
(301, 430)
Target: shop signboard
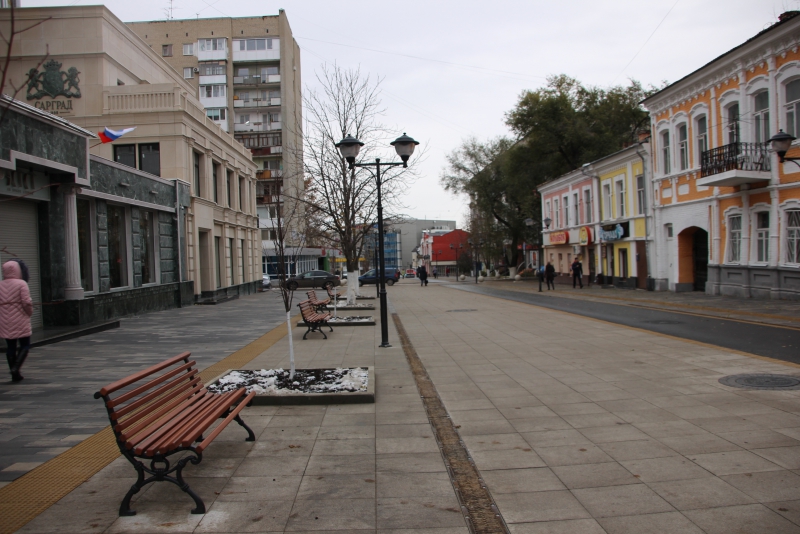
(559, 238)
(24, 183)
(614, 232)
(585, 235)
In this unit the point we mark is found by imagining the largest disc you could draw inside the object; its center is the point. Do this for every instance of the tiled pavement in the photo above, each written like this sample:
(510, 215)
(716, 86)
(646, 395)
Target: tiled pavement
(53, 408)
(577, 426)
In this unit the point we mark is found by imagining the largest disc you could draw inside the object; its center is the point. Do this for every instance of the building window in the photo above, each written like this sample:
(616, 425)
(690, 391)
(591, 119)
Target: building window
(207, 45)
(231, 259)
(762, 236)
(587, 205)
(732, 123)
(793, 236)
(793, 108)
(607, 197)
(215, 180)
(620, 198)
(253, 44)
(575, 209)
(669, 230)
(166, 50)
(188, 73)
(150, 158)
(735, 238)
(566, 211)
(761, 117)
(125, 154)
(212, 91)
(219, 264)
(228, 187)
(117, 246)
(216, 114)
(196, 162)
(188, 49)
(702, 137)
(683, 147)
(244, 119)
(665, 159)
(147, 252)
(85, 243)
(640, 194)
(211, 69)
(241, 258)
(547, 211)
(241, 194)
(557, 211)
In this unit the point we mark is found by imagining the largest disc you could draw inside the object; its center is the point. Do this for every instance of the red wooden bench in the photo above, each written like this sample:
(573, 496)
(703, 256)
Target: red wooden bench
(313, 319)
(165, 410)
(318, 304)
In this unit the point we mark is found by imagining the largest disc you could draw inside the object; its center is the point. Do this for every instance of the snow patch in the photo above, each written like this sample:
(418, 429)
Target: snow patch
(277, 381)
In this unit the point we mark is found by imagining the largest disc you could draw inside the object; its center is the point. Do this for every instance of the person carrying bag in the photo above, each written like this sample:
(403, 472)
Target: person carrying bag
(16, 308)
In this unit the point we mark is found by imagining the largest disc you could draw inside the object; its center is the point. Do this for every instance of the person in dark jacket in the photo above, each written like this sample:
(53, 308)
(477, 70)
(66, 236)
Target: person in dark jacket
(422, 273)
(550, 275)
(577, 273)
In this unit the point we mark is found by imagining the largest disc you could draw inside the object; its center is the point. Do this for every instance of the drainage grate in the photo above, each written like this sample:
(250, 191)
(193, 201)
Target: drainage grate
(480, 512)
(464, 310)
(752, 381)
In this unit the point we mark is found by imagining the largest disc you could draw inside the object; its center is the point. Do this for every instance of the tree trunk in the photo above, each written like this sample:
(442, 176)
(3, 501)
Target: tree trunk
(352, 288)
(291, 344)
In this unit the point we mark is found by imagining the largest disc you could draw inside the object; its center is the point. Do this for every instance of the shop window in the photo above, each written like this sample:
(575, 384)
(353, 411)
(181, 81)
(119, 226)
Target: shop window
(146, 235)
(793, 108)
(117, 246)
(762, 236)
(85, 243)
(735, 238)
(793, 236)
(150, 158)
(125, 154)
(761, 117)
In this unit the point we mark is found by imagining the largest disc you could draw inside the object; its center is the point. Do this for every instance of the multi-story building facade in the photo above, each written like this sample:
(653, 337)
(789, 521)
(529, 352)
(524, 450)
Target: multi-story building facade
(109, 77)
(441, 249)
(410, 231)
(246, 73)
(727, 213)
(599, 214)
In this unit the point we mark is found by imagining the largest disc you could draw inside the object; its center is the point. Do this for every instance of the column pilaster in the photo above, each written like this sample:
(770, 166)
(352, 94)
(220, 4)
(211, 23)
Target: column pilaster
(73, 289)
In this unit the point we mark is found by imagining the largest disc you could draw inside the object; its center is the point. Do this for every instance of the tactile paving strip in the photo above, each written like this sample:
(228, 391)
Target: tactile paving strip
(480, 511)
(35, 491)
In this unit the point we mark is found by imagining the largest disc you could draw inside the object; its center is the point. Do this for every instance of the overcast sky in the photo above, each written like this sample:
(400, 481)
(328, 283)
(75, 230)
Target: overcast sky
(471, 60)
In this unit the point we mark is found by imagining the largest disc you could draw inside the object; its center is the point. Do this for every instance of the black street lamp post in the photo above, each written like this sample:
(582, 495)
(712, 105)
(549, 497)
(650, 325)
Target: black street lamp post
(404, 146)
(455, 250)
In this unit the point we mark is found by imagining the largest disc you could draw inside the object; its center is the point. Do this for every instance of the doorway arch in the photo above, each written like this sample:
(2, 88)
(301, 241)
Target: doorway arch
(692, 259)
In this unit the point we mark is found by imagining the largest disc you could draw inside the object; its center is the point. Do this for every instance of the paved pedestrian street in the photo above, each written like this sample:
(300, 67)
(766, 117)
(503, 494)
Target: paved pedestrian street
(575, 425)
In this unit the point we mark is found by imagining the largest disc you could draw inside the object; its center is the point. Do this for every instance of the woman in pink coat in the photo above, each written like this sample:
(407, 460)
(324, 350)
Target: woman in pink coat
(16, 309)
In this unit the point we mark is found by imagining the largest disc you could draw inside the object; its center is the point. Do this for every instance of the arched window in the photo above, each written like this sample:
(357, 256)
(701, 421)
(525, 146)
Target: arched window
(735, 238)
(761, 117)
(701, 135)
(732, 123)
(793, 107)
(665, 165)
(683, 147)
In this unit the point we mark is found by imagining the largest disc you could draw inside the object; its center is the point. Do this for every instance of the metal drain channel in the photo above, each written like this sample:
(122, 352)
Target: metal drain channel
(480, 511)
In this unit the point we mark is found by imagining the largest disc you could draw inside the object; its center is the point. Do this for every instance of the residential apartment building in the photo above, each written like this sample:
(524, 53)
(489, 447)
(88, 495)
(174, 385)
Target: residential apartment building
(109, 77)
(246, 74)
(727, 213)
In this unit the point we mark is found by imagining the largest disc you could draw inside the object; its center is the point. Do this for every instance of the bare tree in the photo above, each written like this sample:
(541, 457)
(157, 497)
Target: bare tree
(10, 29)
(341, 203)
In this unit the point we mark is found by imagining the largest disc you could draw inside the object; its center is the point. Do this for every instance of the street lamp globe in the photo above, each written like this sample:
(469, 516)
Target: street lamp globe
(404, 146)
(781, 142)
(349, 147)
(547, 222)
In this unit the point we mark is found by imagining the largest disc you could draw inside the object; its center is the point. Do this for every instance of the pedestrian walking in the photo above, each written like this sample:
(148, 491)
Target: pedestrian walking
(16, 309)
(550, 275)
(435, 273)
(422, 273)
(577, 273)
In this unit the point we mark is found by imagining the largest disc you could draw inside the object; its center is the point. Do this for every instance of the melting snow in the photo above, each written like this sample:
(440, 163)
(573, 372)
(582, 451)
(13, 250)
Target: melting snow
(277, 381)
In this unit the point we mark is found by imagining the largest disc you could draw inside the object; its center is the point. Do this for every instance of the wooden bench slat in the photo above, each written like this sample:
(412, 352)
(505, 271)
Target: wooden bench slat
(128, 429)
(181, 383)
(166, 426)
(127, 381)
(224, 423)
(192, 432)
(141, 389)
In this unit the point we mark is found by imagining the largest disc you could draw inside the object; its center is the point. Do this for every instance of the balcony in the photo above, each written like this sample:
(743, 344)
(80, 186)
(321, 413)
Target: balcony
(214, 101)
(257, 79)
(256, 127)
(261, 144)
(256, 55)
(212, 55)
(214, 79)
(735, 164)
(269, 174)
(257, 103)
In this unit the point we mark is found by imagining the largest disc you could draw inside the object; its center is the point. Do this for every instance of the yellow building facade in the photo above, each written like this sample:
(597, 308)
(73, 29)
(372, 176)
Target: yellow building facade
(726, 211)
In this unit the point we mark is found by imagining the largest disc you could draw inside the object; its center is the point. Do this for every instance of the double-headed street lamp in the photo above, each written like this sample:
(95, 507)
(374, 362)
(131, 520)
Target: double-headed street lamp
(404, 145)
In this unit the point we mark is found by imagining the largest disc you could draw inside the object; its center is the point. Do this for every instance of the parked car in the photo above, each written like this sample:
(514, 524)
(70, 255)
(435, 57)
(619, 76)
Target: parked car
(312, 279)
(266, 282)
(371, 277)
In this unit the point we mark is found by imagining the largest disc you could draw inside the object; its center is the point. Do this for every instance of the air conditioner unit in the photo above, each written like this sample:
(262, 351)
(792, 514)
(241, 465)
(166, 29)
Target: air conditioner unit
(195, 70)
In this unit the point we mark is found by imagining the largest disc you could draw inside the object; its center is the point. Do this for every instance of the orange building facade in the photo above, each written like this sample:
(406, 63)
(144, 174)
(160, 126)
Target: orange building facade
(726, 211)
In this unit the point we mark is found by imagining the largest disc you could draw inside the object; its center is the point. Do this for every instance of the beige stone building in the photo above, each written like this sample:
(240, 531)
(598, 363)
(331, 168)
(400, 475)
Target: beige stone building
(246, 72)
(101, 74)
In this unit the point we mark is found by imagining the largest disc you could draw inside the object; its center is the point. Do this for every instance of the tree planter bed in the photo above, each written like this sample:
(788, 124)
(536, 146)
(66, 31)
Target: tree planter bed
(354, 320)
(365, 307)
(310, 386)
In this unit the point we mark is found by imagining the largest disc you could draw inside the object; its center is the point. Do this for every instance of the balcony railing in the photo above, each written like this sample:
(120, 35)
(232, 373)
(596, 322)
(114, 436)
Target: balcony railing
(257, 103)
(735, 156)
(256, 80)
(269, 174)
(260, 140)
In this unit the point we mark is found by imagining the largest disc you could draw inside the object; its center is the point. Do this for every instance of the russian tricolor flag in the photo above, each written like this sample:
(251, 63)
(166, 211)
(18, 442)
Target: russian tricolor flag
(108, 135)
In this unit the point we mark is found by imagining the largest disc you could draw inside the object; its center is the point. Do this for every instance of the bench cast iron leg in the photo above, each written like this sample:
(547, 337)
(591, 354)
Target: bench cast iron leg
(250, 435)
(200, 505)
(125, 506)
